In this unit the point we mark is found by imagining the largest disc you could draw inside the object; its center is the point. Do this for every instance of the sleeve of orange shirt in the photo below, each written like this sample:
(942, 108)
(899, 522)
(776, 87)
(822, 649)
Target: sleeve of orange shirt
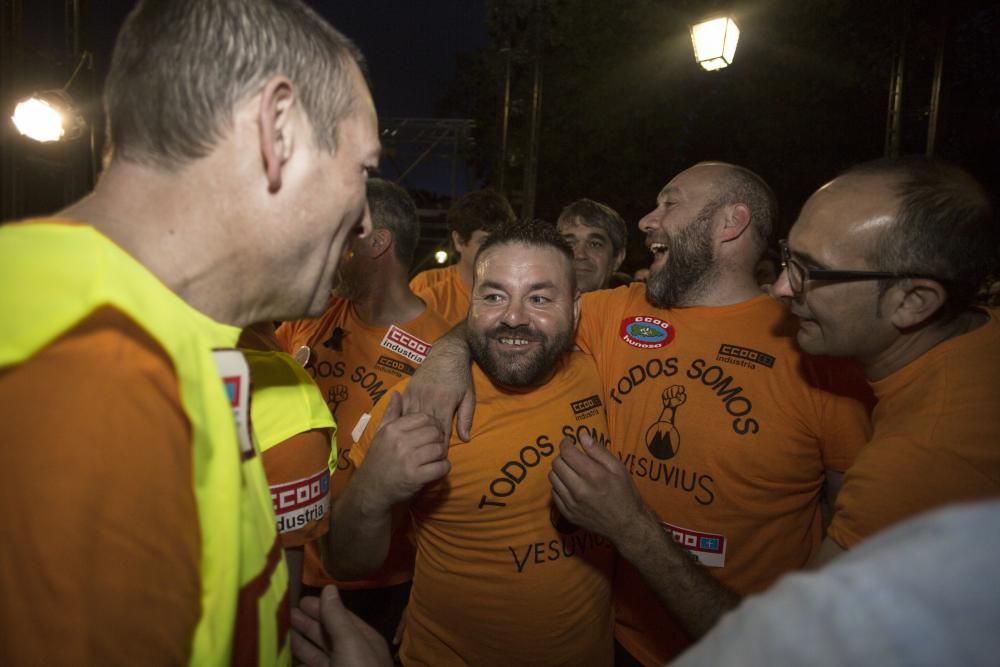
(293, 462)
(101, 551)
(843, 403)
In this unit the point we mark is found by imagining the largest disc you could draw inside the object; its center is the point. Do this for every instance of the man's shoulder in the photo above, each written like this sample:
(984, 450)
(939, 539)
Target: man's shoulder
(433, 278)
(295, 333)
(625, 295)
(110, 342)
(103, 368)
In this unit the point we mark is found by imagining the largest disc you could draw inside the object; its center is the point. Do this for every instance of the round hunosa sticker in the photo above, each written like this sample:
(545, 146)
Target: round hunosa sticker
(646, 332)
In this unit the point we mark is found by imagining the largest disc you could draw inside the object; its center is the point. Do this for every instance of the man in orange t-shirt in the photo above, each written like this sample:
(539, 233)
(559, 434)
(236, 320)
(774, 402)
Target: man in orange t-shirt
(723, 434)
(374, 333)
(501, 578)
(883, 265)
(471, 219)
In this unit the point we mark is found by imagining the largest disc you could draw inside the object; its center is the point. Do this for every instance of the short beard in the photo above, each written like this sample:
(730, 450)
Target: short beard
(516, 370)
(690, 267)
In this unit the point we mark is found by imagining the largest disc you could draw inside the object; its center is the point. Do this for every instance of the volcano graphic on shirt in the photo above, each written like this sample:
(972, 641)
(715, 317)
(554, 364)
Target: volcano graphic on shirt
(663, 440)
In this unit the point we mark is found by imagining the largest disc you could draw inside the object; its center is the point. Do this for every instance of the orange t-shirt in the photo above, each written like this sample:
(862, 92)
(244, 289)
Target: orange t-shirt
(500, 578)
(721, 423)
(444, 292)
(355, 365)
(101, 548)
(936, 439)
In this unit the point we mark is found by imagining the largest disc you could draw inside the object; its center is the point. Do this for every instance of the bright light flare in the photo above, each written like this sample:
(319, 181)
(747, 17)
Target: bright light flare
(441, 257)
(714, 42)
(38, 120)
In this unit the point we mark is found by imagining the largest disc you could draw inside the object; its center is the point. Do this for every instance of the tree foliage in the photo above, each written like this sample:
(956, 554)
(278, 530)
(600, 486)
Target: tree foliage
(624, 105)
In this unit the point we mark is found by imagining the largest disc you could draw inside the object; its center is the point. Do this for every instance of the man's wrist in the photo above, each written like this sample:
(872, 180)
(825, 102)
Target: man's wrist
(638, 536)
(371, 500)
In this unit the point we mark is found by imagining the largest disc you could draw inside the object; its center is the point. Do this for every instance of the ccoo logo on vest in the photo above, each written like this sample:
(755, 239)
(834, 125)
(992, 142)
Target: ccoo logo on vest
(646, 332)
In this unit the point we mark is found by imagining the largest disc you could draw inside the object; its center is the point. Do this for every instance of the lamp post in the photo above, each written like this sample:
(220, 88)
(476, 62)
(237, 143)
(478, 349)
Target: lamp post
(714, 42)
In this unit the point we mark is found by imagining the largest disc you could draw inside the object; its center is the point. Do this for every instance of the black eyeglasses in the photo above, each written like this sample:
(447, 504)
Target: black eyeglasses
(798, 274)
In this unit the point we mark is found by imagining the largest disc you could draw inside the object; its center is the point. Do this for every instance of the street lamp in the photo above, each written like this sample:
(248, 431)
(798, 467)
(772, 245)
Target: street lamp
(441, 256)
(714, 42)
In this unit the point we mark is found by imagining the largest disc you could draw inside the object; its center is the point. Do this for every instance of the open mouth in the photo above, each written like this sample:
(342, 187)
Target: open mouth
(660, 252)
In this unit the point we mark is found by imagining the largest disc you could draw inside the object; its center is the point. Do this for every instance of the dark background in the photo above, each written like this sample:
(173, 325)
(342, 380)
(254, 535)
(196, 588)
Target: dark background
(623, 106)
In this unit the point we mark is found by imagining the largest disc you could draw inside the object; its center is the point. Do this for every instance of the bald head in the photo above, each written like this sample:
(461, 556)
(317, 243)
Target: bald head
(734, 184)
(925, 216)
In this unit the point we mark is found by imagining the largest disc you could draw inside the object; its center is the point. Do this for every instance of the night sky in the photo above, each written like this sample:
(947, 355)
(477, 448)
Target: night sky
(411, 48)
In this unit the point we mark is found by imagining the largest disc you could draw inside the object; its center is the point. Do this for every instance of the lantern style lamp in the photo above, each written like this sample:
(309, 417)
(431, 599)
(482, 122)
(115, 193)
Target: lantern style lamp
(714, 42)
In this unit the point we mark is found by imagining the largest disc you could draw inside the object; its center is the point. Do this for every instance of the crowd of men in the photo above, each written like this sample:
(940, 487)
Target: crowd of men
(502, 461)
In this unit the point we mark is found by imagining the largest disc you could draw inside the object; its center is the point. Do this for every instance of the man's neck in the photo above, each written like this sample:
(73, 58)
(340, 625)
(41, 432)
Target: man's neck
(177, 234)
(465, 272)
(912, 345)
(724, 289)
(388, 300)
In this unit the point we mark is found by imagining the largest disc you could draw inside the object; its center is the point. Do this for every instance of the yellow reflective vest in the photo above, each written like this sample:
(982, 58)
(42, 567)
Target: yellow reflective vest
(286, 400)
(73, 270)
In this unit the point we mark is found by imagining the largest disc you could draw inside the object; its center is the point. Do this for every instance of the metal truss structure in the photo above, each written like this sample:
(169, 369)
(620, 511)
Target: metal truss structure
(428, 154)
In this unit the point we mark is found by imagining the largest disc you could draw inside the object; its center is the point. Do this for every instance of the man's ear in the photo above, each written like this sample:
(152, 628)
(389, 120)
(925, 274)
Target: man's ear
(277, 102)
(456, 240)
(914, 301)
(381, 242)
(736, 220)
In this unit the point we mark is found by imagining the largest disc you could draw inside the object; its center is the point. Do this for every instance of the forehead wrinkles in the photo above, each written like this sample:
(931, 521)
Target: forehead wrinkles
(511, 263)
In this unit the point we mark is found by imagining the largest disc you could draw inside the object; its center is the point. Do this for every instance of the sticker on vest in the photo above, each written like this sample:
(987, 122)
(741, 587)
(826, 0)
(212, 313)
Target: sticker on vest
(405, 345)
(359, 428)
(646, 332)
(235, 374)
(299, 503)
(706, 548)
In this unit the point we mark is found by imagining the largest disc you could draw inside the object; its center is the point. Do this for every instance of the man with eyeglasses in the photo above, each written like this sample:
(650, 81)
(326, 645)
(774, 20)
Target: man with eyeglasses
(883, 265)
(722, 437)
